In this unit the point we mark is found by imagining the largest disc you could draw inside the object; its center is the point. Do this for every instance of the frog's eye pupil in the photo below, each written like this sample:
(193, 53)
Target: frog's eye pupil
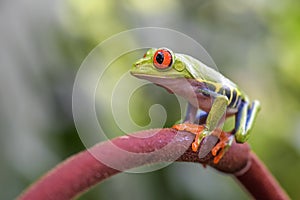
(159, 57)
(162, 59)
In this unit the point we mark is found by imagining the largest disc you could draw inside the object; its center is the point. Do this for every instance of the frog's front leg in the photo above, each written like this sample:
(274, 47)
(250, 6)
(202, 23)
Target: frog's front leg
(194, 115)
(191, 112)
(193, 123)
(207, 134)
(215, 118)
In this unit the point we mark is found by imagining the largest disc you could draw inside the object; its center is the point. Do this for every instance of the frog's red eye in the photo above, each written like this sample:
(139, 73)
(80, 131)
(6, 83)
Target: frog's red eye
(162, 59)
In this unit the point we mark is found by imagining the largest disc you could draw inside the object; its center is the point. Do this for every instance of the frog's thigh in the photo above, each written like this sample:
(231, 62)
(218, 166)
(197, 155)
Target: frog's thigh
(252, 113)
(245, 119)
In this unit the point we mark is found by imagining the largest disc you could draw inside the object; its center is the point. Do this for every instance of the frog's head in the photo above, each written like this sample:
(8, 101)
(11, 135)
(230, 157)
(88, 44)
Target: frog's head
(160, 63)
(168, 70)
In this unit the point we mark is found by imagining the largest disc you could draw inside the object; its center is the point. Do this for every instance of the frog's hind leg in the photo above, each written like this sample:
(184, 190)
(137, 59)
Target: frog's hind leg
(245, 119)
(244, 122)
(225, 141)
(251, 115)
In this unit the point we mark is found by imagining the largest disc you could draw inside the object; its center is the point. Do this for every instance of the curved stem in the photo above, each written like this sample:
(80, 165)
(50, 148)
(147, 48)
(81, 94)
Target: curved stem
(83, 170)
(259, 181)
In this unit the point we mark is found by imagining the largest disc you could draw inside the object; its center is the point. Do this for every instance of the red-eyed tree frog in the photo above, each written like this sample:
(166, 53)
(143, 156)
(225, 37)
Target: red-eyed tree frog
(211, 98)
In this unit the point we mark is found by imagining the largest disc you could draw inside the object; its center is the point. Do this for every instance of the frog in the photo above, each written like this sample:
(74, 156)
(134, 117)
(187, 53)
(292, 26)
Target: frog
(211, 99)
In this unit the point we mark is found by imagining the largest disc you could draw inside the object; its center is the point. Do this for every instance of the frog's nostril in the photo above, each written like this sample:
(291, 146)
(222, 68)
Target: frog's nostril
(137, 64)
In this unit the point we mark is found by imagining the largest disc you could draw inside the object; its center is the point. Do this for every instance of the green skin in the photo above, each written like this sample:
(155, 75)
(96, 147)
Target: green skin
(206, 90)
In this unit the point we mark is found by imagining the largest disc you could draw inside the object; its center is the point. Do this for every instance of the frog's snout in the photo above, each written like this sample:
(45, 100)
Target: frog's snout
(138, 63)
(135, 65)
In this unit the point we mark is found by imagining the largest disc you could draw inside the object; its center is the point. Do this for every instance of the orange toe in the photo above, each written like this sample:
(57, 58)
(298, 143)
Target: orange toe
(195, 146)
(221, 147)
(192, 128)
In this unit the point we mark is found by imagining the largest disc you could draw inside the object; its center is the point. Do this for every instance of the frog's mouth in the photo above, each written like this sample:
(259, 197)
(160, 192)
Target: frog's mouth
(159, 79)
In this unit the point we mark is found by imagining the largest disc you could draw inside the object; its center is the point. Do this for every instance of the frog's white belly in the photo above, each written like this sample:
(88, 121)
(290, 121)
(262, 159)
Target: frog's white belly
(185, 88)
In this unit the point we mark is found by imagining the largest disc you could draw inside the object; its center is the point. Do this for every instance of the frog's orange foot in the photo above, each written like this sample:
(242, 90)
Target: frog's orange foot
(225, 141)
(192, 128)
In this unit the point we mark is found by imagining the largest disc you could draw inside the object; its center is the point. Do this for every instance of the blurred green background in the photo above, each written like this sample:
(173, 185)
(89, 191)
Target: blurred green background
(43, 43)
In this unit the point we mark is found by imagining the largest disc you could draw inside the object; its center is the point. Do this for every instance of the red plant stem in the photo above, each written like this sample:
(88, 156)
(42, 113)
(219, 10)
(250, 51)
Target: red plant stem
(259, 181)
(83, 170)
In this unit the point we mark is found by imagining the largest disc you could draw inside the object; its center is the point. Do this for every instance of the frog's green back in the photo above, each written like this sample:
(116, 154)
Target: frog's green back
(202, 72)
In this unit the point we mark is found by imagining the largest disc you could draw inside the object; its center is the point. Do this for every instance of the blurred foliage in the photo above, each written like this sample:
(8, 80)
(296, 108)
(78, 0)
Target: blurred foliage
(254, 43)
